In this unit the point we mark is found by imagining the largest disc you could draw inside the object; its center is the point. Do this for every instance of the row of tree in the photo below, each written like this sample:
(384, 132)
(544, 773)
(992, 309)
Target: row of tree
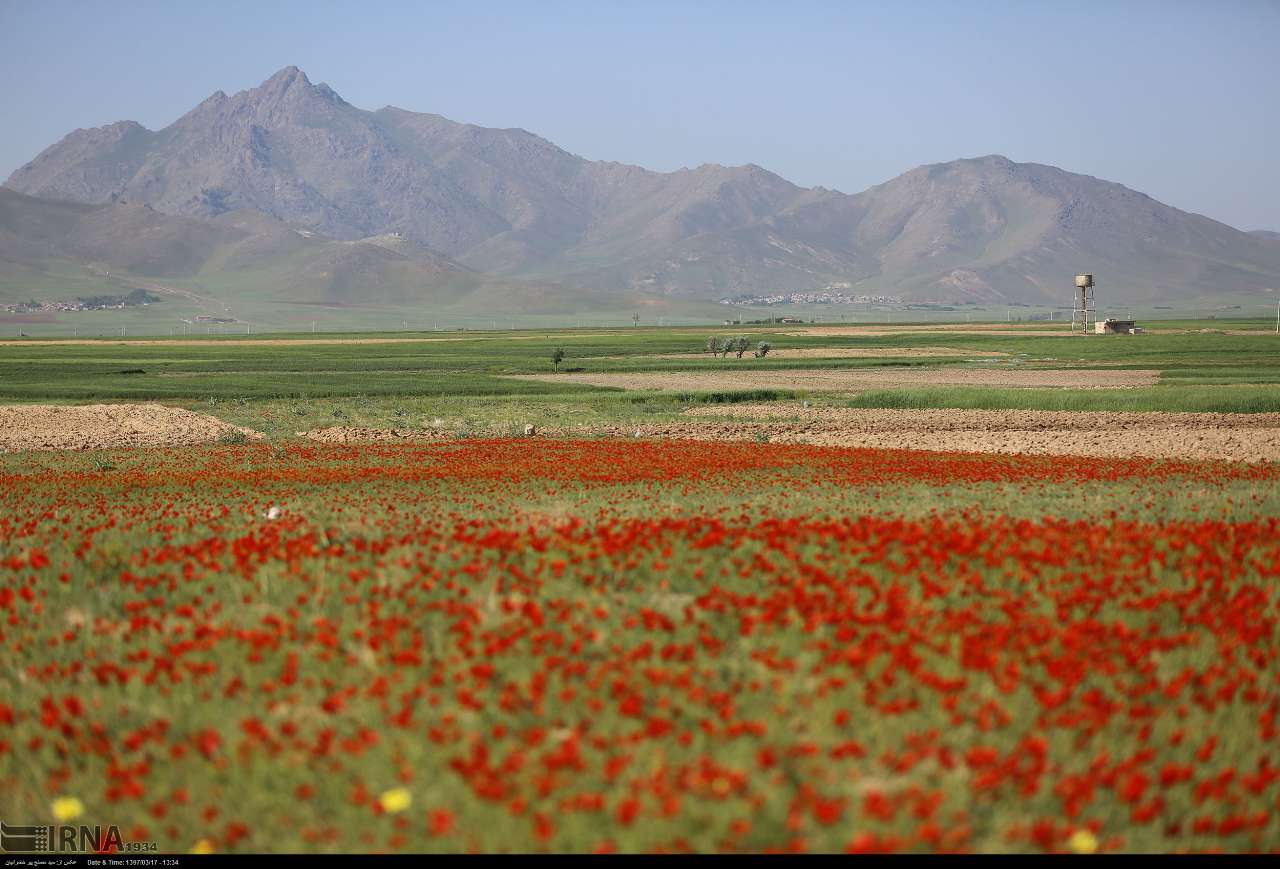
(724, 346)
(715, 346)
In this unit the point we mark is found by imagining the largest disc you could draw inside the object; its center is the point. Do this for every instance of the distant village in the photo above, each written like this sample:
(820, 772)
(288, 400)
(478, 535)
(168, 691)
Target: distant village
(137, 298)
(832, 294)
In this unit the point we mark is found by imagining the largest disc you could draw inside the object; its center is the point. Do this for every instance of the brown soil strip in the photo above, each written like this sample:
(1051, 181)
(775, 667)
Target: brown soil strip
(107, 426)
(344, 434)
(1190, 436)
(853, 379)
(1233, 437)
(950, 419)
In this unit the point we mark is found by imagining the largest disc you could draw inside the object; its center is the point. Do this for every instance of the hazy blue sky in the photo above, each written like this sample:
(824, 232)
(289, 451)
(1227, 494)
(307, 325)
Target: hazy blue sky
(1180, 100)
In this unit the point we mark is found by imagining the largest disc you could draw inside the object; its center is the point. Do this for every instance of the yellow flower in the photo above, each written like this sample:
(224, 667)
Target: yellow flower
(1083, 842)
(67, 809)
(204, 846)
(395, 800)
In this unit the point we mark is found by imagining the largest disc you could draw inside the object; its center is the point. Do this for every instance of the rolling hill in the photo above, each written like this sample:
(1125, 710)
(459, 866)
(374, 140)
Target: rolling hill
(56, 249)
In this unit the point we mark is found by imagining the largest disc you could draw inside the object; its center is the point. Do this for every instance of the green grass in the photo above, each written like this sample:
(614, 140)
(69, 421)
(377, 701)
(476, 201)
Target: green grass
(460, 375)
(177, 386)
(494, 414)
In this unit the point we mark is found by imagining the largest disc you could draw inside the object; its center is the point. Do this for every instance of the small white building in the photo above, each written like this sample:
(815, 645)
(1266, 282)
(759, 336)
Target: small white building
(1110, 326)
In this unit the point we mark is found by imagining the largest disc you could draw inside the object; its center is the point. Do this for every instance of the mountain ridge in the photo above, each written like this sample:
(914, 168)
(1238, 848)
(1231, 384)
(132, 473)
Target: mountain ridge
(508, 202)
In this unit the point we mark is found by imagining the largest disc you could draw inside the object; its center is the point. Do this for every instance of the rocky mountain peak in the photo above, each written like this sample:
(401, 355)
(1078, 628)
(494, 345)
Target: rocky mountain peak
(284, 79)
(289, 87)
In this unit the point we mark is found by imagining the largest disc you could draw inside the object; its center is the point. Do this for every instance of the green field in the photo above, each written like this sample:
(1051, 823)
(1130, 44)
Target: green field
(461, 377)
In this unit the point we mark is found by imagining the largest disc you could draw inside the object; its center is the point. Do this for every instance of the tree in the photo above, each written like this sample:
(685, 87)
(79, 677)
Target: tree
(763, 349)
(635, 319)
(741, 345)
(713, 345)
(557, 357)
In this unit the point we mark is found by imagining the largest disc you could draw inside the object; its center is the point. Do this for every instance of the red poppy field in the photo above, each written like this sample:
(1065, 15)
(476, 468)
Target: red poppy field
(640, 646)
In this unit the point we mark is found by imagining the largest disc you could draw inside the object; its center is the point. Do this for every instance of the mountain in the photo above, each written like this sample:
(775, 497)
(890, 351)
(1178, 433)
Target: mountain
(992, 229)
(237, 254)
(507, 202)
(1265, 234)
(503, 201)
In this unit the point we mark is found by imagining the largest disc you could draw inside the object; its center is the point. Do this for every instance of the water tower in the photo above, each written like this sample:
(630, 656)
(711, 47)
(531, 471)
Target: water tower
(1083, 315)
